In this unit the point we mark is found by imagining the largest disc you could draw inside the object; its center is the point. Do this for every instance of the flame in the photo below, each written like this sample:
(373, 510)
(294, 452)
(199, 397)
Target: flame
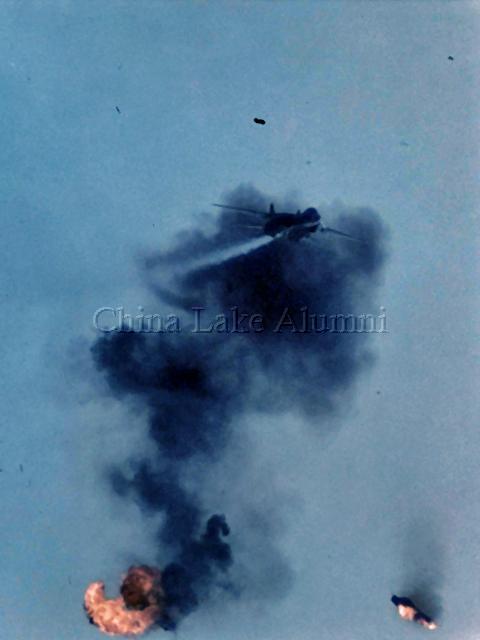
(407, 612)
(139, 606)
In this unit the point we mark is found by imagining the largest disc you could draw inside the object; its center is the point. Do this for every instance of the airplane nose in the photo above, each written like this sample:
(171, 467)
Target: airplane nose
(312, 214)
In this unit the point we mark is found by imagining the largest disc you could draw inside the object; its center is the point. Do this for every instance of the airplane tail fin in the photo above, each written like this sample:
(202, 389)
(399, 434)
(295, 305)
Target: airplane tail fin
(272, 208)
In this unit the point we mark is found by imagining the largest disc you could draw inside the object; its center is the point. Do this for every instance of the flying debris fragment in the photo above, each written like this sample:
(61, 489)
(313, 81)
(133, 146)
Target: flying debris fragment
(139, 607)
(259, 121)
(408, 611)
(451, 58)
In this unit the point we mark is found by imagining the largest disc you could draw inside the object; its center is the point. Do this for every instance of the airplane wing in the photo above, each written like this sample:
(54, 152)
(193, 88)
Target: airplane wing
(226, 206)
(339, 233)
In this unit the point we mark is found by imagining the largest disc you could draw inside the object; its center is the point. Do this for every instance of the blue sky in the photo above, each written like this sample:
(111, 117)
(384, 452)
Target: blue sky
(86, 189)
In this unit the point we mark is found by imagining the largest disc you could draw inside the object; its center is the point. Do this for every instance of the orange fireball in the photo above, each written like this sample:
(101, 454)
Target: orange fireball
(139, 607)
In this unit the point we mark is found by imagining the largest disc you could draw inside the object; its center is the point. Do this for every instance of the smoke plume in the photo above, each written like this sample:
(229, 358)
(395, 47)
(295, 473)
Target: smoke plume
(193, 386)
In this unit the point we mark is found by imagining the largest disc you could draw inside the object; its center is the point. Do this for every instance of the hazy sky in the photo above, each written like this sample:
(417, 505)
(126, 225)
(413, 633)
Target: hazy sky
(362, 105)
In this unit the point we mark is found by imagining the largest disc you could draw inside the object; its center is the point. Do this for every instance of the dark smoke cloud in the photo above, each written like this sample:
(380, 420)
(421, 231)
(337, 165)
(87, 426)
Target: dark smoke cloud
(194, 386)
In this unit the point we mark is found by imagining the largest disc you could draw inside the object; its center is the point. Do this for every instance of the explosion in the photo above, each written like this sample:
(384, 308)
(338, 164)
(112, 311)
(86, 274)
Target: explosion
(194, 390)
(408, 611)
(139, 607)
(150, 597)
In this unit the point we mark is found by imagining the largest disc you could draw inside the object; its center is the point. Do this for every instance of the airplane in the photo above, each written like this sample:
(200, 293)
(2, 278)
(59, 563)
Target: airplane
(293, 226)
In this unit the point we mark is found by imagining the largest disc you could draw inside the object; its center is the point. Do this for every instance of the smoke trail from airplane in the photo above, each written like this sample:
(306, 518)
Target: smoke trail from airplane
(217, 257)
(194, 388)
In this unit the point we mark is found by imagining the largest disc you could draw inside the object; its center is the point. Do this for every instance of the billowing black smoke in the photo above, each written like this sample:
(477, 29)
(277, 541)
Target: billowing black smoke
(194, 384)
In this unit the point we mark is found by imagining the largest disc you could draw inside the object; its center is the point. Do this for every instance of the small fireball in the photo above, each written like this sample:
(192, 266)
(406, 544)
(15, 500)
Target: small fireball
(139, 607)
(408, 611)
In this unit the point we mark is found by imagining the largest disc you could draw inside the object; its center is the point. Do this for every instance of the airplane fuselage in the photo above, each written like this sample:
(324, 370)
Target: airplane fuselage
(294, 225)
